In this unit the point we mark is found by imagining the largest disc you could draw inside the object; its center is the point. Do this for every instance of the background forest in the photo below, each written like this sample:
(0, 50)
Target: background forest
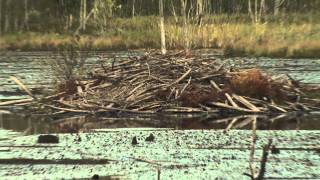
(282, 28)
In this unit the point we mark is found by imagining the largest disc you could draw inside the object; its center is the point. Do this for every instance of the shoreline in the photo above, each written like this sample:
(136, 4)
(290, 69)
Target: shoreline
(233, 46)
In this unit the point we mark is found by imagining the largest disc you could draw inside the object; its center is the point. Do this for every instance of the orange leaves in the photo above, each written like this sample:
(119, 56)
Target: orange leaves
(251, 82)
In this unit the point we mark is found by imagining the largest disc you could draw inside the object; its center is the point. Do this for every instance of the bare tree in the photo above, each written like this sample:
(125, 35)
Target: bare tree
(81, 14)
(162, 29)
(0, 17)
(259, 10)
(277, 5)
(199, 12)
(185, 23)
(84, 14)
(174, 12)
(26, 15)
(133, 8)
(7, 16)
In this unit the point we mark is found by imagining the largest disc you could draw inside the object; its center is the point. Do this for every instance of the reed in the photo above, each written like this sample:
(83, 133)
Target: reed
(287, 36)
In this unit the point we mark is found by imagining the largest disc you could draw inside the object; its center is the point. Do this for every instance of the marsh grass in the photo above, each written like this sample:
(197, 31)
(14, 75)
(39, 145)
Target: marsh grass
(296, 35)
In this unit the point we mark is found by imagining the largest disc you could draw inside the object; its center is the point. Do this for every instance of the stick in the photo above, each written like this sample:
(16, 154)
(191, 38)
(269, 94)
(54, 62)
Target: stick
(185, 87)
(234, 104)
(264, 160)
(16, 80)
(13, 102)
(215, 85)
(252, 146)
(234, 120)
(231, 107)
(246, 103)
(181, 78)
(67, 109)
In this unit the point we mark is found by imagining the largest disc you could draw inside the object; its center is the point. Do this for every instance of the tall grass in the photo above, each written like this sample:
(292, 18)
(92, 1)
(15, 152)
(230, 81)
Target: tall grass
(283, 36)
(279, 40)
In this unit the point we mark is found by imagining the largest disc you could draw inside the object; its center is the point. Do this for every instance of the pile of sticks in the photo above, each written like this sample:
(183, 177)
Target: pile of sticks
(173, 83)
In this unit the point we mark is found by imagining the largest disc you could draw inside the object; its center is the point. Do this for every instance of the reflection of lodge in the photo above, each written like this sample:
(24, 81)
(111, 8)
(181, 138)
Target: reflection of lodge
(284, 121)
(37, 124)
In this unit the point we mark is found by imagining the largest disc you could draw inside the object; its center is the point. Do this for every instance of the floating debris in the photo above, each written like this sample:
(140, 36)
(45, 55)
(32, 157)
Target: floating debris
(134, 141)
(48, 139)
(150, 138)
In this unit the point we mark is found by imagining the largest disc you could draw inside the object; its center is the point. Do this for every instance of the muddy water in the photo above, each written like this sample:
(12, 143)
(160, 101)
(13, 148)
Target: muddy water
(29, 67)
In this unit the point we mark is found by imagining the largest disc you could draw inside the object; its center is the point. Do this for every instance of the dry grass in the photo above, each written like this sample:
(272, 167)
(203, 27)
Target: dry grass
(276, 40)
(237, 37)
(252, 83)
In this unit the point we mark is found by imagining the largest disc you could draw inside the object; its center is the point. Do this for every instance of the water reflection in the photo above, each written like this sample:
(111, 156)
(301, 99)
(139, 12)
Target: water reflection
(35, 124)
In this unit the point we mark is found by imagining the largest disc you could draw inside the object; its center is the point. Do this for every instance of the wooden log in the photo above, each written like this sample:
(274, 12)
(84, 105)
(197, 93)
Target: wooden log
(215, 85)
(246, 103)
(231, 107)
(13, 102)
(231, 101)
(16, 80)
(181, 78)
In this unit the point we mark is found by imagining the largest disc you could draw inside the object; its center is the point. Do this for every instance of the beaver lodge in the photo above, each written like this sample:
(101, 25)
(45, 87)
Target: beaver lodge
(178, 82)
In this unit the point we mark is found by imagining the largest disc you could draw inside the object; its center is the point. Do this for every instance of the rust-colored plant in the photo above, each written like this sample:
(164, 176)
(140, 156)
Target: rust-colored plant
(252, 82)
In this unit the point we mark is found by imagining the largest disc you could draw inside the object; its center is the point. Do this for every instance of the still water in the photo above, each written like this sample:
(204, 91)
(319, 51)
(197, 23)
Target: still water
(29, 67)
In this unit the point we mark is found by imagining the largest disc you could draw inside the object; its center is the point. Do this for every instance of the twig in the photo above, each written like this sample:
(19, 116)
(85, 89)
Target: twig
(252, 146)
(234, 120)
(16, 80)
(246, 103)
(13, 102)
(215, 85)
(181, 78)
(264, 160)
(234, 104)
(231, 107)
(185, 87)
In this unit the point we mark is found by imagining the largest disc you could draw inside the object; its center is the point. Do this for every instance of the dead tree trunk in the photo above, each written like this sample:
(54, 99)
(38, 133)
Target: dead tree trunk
(162, 29)
(81, 14)
(133, 8)
(262, 9)
(26, 15)
(185, 23)
(199, 12)
(250, 10)
(259, 10)
(277, 5)
(174, 12)
(84, 14)
(0, 17)
(7, 16)
(255, 11)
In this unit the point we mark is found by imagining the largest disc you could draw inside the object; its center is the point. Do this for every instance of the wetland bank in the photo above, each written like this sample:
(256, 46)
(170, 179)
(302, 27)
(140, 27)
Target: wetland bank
(200, 89)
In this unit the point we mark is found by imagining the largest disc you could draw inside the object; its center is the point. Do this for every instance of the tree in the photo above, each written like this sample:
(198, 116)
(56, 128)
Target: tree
(258, 10)
(83, 14)
(26, 15)
(133, 9)
(277, 5)
(199, 12)
(103, 10)
(7, 16)
(185, 23)
(0, 17)
(162, 29)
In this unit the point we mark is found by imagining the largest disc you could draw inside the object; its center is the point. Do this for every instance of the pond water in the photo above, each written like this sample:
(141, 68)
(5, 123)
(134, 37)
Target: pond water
(29, 67)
